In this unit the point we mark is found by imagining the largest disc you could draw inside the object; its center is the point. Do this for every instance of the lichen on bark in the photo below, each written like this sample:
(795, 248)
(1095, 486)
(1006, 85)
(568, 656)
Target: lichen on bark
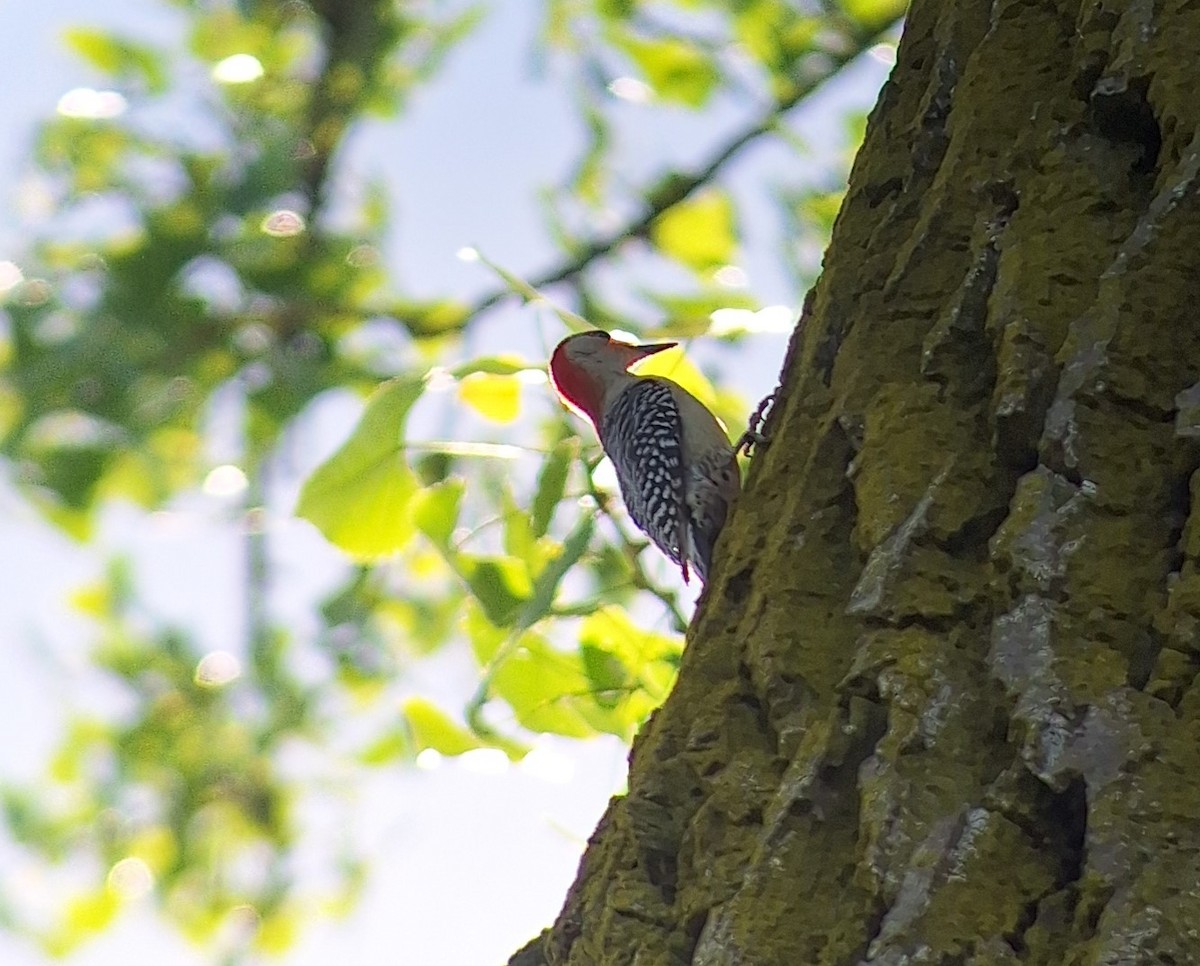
(940, 702)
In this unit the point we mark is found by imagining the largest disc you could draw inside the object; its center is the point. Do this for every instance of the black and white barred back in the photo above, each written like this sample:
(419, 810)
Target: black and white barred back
(642, 434)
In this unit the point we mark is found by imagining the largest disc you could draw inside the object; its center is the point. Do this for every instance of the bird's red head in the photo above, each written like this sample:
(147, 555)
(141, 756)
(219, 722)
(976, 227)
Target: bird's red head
(582, 366)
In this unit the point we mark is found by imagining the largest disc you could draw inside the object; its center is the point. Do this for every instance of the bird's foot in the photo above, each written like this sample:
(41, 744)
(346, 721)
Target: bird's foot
(752, 437)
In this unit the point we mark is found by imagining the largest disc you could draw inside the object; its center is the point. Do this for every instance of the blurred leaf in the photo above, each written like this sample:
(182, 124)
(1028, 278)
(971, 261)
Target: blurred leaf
(504, 365)
(631, 669)
(593, 172)
(167, 461)
(91, 600)
(616, 9)
(433, 467)
(759, 25)
(675, 69)
(699, 232)
(84, 736)
(546, 586)
(519, 539)
(121, 59)
(388, 748)
(611, 630)
(500, 584)
(76, 523)
(821, 207)
(543, 685)
(72, 472)
(497, 398)
(223, 32)
(435, 512)
(155, 845)
(277, 930)
(874, 14)
(691, 315)
(501, 654)
(84, 915)
(609, 676)
(777, 34)
(432, 318)
(485, 637)
(11, 402)
(360, 498)
(421, 624)
(433, 728)
(552, 484)
(350, 602)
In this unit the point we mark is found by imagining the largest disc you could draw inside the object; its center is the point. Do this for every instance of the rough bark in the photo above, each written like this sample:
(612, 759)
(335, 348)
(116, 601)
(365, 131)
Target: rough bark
(940, 704)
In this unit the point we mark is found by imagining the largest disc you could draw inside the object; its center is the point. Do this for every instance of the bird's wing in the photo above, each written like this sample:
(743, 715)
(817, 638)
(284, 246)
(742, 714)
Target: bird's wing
(713, 486)
(642, 435)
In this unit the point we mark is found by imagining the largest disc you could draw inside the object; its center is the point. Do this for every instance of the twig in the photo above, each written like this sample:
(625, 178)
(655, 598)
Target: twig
(679, 187)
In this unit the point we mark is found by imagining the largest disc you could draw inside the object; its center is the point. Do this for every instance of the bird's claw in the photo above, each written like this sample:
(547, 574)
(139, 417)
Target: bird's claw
(748, 440)
(752, 436)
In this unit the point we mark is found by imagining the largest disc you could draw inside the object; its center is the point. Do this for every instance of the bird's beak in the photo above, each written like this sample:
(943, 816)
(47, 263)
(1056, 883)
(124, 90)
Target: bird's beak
(641, 351)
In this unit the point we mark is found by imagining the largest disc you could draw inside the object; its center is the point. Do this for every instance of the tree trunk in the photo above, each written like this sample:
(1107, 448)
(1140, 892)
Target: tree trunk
(940, 703)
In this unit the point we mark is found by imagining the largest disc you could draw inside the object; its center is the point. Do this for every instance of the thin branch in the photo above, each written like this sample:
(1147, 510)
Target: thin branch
(359, 38)
(679, 187)
(257, 559)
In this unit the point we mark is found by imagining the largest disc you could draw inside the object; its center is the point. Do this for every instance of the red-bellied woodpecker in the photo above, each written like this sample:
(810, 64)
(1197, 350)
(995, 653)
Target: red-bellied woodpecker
(676, 467)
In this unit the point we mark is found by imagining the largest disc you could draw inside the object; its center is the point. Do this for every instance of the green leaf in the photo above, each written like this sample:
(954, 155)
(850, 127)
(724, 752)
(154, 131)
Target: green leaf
(426, 319)
(630, 670)
(874, 13)
(485, 637)
(121, 59)
(500, 584)
(775, 34)
(435, 512)
(678, 71)
(225, 31)
(73, 472)
(552, 484)
(494, 397)
(542, 686)
(519, 539)
(503, 365)
(360, 498)
(423, 624)
(691, 315)
(546, 586)
(433, 728)
(699, 232)
(609, 677)
(615, 9)
(277, 930)
(610, 630)
(391, 746)
(353, 602)
(593, 171)
(77, 524)
(83, 916)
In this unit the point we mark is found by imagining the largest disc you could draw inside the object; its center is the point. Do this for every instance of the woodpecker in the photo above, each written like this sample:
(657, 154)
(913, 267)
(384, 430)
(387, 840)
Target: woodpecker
(676, 467)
